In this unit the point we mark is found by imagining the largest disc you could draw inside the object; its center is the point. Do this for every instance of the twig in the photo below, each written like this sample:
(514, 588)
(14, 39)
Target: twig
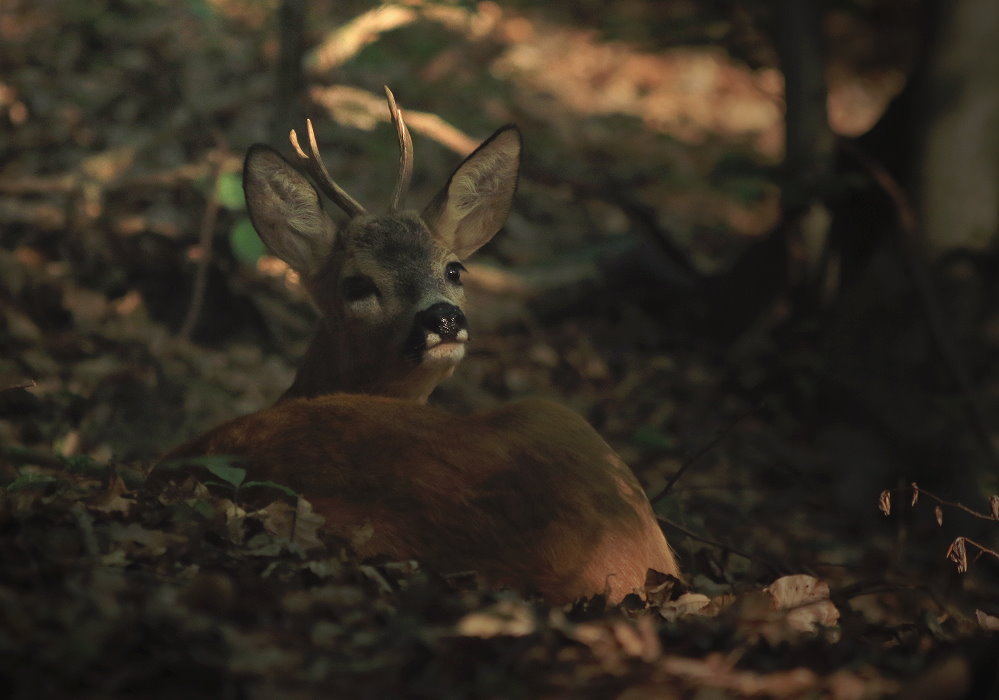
(344, 99)
(345, 43)
(720, 545)
(206, 237)
(720, 434)
(22, 385)
(952, 504)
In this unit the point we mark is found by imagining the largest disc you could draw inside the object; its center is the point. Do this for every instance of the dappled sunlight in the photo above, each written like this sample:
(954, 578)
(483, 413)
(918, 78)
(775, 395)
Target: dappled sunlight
(688, 93)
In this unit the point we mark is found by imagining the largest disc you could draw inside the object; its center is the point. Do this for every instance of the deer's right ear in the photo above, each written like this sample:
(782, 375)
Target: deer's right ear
(476, 200)
(286, 211)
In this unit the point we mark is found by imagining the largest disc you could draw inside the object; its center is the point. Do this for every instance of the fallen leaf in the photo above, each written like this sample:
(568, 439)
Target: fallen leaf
(986, 621)
(113, 499)
(507, 618)
(687, 604)
(135, 538)
(297, 523)
(806, 600)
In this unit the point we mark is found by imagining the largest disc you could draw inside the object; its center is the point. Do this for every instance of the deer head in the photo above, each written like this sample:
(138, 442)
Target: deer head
(387, 286)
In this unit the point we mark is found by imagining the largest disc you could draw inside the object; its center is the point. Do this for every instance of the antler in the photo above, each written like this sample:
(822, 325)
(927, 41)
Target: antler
(405, 152)
(314, 162)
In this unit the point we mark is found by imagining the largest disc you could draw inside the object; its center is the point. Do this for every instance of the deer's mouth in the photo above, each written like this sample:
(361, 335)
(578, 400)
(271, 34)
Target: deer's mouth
(429, 348)
(442, 350)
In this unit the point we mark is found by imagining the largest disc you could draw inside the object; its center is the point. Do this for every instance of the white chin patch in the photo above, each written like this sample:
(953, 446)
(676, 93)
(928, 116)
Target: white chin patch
(444, 354)
(439, 352)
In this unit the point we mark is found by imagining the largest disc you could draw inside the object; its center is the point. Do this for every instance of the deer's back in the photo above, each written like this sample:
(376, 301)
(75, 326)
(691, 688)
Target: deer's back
(529, 495)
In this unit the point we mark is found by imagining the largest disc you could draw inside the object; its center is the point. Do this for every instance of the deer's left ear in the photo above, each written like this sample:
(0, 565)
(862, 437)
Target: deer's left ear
(476, 200)
(285, 210)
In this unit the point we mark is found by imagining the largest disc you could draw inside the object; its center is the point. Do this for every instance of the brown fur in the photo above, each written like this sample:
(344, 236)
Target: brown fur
(528, 495)
(361, 344)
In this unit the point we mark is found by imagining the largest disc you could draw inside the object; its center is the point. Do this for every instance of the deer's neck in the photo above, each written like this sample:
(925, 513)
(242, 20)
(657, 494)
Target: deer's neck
(324, 370)
(329, 368)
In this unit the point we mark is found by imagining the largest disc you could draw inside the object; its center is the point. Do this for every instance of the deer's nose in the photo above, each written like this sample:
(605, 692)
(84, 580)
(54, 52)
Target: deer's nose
(444, 319)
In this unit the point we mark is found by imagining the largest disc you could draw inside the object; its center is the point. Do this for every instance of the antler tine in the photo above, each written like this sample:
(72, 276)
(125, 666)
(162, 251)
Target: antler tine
(405, 151)
(314, 162)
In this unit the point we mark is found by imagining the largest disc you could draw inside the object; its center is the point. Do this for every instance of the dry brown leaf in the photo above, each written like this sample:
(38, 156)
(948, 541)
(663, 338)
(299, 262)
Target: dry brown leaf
(507, 618)
(135, 538)
(994, 506)
(986, 621)
(297, 523)
(717, 671)
(884, 502)
(938, 512)
(957, 553)
(234, 517)
(806, 601)
(638, 639)
(658, 588)
(374, 575)
(687, 604)
(113, 499)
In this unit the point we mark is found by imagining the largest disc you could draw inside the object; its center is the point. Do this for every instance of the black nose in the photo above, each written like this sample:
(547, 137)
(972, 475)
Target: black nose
(443, 319)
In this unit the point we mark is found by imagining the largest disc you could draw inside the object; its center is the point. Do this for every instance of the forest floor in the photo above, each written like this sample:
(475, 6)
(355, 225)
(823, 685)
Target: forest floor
(125, 125)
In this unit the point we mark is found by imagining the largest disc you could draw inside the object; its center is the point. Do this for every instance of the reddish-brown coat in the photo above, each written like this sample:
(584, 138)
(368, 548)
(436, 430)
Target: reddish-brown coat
(529, 495)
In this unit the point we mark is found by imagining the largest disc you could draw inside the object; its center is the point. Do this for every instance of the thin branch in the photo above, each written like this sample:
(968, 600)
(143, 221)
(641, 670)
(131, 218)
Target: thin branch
(353, 106)
(720, 545)
(206, 237)
(720, 434)
(348, 41)
(952, 504)
(21, 385)
(982, 548)
(908, 229)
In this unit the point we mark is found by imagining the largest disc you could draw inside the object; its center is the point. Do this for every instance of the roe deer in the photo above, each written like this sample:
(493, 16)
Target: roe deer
(528, 495)
(387, 286)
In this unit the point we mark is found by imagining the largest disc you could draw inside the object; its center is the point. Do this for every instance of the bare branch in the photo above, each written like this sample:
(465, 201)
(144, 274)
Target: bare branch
(719, 436)
(953, 504)
(362, 109)
(314, 162)
(216, 160)
(348, 41)
(720, 545)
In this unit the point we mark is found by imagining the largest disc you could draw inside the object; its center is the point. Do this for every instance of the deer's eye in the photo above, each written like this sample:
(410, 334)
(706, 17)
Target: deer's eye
(357, 287)
(453, 272)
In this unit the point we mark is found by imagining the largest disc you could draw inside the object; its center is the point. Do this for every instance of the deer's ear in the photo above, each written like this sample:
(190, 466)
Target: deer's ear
(476, 200)
(286, 211)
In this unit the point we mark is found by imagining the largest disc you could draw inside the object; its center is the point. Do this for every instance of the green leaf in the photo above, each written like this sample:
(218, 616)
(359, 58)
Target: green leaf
(217, 465)
(272, 485)
(30, 480)
(650, 437)
(245, 243)
(230, 191)
(83, 464)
